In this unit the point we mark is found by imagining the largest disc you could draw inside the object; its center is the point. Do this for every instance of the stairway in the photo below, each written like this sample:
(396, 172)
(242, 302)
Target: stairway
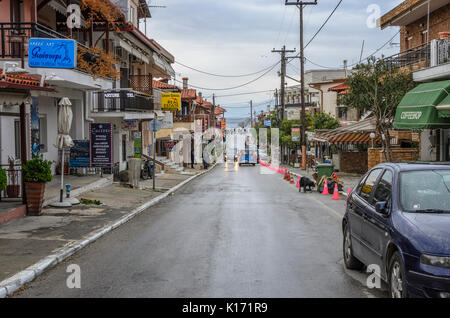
(170, 165)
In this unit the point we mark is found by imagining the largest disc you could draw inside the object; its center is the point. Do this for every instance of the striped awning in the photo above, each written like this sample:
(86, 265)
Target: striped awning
(354, 134)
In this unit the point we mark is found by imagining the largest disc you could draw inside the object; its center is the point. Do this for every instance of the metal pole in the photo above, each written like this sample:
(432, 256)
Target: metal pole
(61, 190)
(154, 157)
(302, 79)
(251, 114)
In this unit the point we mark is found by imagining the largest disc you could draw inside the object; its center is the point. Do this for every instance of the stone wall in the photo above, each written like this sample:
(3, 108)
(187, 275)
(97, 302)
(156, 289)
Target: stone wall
(353, 162)
(376, 155)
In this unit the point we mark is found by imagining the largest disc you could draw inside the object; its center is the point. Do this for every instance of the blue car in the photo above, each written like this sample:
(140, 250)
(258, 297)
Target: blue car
(398, 219)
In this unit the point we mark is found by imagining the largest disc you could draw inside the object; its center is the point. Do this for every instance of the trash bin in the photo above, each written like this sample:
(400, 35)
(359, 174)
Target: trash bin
(324, 169)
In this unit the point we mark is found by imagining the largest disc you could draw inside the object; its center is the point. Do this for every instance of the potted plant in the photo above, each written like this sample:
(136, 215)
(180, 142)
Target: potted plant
(13, 188)
(3, 179)
(36, 173)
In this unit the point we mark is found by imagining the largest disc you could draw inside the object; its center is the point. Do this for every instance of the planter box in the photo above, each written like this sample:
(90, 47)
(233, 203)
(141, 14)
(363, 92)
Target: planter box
(34, 192)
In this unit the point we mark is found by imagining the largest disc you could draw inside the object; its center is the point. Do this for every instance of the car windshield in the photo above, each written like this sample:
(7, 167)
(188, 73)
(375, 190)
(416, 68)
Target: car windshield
(425, 191)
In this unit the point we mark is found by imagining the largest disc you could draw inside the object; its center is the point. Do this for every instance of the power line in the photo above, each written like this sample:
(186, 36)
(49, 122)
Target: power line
(249, 93)
(219, 75)
(234, 87)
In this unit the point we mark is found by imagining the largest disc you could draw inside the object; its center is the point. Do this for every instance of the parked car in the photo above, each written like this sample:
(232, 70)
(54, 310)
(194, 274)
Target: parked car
(398, 217)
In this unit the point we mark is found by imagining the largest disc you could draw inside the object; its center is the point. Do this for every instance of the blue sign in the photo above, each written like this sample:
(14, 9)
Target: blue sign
(80, 156)
(52, 53)
(267, 123)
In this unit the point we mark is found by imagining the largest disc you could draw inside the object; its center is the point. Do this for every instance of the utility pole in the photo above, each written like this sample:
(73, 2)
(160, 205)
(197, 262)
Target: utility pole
(214, 112)
(300, 5)
(251, 114)
(283, 52)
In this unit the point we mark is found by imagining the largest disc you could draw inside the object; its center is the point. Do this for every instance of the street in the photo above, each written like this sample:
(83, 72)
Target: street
(233, 232)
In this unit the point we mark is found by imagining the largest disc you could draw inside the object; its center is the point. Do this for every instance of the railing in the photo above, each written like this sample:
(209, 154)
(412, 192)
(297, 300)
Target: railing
(443, 51)
(184, 118)
(121, 101)
(142, 83)
(417, 57)
(14, 182)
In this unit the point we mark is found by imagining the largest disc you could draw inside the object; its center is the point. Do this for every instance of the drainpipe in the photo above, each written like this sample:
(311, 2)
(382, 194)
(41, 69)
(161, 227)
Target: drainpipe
(86, 108)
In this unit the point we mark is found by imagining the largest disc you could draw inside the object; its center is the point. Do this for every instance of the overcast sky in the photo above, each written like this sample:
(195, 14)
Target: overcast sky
(234, 37)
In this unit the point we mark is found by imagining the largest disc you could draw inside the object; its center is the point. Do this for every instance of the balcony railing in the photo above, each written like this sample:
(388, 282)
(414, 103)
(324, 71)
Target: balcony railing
(142, 83)
(121, 100)
(184, 118)
(443, 51)
(417, 57)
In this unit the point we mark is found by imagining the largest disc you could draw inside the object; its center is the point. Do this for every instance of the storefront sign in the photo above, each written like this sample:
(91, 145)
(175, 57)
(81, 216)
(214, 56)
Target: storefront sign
(52, 53)
(101, 145)
(80, 154)
(137, 138)
(171, 101)
(167, 122)
(295, 134)
(130, 124)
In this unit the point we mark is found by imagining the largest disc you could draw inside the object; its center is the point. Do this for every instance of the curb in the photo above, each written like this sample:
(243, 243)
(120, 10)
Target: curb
(92, 186)
(12, 284)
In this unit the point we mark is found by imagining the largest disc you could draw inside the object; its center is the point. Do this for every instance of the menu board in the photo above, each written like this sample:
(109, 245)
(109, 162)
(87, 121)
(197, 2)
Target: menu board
(101, 145)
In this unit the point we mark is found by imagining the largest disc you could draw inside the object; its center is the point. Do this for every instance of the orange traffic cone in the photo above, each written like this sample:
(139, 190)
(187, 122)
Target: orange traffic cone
(292, 179)
(349, 190)
(298, 182)
(325, 188)
(336, 192)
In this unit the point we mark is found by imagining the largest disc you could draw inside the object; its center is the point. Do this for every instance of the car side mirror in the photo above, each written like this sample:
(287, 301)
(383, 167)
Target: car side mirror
(382, 208)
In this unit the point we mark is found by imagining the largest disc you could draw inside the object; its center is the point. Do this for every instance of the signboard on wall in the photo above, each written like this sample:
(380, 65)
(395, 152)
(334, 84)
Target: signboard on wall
(167, 121)
(171, 101)
(293, 114)
(101, 145)
(52, 53)
(130, 124)
(80, 156)
(295, 134)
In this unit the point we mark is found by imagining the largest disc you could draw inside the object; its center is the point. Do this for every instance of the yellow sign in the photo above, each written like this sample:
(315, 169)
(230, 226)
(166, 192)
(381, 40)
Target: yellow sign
(171, 101)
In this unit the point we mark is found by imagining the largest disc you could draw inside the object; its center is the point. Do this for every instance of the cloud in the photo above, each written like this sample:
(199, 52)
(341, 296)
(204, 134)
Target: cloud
(236, 37)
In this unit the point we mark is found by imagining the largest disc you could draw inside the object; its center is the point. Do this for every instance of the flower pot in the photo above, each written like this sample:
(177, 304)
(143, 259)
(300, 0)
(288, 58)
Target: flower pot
(34, 192)
(13, 191)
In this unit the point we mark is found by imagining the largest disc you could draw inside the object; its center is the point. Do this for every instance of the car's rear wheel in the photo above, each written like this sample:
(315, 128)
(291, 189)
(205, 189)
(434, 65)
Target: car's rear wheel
(397, 284)
(350, 261)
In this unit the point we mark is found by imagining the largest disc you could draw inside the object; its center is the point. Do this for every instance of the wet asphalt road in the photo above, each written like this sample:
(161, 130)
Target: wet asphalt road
(233, 232)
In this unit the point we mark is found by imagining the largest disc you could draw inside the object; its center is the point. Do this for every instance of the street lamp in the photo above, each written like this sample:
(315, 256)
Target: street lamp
(372, 136)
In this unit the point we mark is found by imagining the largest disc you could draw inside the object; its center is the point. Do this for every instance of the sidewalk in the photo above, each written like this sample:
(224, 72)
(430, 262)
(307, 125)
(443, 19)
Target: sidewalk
(25, 241)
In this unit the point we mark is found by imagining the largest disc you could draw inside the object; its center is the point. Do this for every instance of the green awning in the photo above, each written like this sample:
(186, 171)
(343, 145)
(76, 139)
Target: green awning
(417, 110)
(444, 108)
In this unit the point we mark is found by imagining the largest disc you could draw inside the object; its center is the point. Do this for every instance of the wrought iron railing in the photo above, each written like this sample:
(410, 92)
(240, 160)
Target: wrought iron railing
(443, 51)
(417, 57)
(14, 182)
(121, 100)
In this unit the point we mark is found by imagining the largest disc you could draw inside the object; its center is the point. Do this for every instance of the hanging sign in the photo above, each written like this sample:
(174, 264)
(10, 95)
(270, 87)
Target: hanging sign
(293, 114)
(101, 145)
(52, 53)
(167, 121)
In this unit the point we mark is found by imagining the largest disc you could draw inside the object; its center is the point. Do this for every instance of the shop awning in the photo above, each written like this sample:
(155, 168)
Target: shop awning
(419, 108)
(444, 108)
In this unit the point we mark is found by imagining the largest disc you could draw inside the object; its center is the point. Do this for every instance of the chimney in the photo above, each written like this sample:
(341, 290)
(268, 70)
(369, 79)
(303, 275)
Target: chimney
(200, 95)
(185, 82)
(268, 108)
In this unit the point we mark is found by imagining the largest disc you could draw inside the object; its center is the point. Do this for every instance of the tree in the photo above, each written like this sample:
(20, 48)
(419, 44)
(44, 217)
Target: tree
(323, 120)
(378, 88)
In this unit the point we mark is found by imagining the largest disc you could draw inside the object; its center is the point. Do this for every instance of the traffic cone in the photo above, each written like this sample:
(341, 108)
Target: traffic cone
(325, 188)
(336, 192)
(298, 182)
(292, 179)
(349, 190)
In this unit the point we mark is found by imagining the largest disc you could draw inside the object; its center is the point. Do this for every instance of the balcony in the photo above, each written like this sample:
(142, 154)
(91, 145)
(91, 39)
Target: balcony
(417, 58)
(438, 63)
(121, 100)
(14, 44)
(184, 118)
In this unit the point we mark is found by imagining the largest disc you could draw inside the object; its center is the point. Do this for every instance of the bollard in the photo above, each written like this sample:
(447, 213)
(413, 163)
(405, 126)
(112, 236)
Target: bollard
(67, 190)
